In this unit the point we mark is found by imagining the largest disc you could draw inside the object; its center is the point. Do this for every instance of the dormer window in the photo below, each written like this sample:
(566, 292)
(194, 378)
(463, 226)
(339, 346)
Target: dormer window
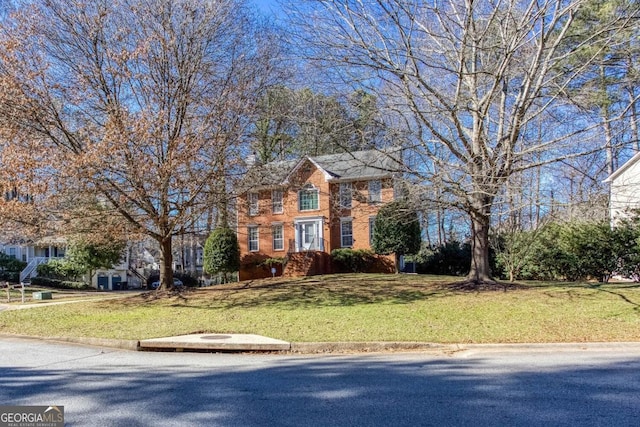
(308, 198)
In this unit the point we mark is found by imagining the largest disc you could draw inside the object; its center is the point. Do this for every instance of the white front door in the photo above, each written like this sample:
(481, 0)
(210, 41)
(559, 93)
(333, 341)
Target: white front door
(309, 235)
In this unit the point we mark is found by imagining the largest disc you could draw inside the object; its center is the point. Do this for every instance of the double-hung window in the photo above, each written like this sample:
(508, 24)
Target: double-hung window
(345, 195)
(375, 191)
(308, 199)
(253, 204)
(254, 238)
(346, 232)
(278, 237)
(276, 201)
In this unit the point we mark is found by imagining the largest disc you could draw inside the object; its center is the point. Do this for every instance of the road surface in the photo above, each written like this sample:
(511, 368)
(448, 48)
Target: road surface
(107, 387)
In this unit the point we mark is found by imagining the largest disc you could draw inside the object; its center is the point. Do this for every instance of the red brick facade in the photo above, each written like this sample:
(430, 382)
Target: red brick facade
(313, 219)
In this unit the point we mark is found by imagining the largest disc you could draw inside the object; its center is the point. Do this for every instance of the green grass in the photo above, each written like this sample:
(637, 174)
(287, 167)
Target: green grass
(355, 308)
(14, 296)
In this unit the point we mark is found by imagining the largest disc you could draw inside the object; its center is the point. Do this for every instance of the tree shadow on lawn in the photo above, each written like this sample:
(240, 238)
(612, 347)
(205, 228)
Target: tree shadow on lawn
(312, 391)
(350, 291)
(575, 291)
(614, 289)
(345, 290)
(317, 294)
(324, 291)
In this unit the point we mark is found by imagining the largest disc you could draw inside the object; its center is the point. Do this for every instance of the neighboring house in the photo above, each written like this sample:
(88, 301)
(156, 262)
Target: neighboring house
(137, 263)
(27, 252)
(624, 189)
(112, 279)
(41, 251)
(33, 253)
(188, 254)
(302, 210)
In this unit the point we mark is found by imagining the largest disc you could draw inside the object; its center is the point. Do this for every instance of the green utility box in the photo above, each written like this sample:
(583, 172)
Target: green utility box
(42, 295)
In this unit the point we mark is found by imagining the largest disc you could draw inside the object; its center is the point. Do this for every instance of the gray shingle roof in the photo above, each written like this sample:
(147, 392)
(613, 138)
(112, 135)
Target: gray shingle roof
(368, 164)
(267, 175)
(360, 164)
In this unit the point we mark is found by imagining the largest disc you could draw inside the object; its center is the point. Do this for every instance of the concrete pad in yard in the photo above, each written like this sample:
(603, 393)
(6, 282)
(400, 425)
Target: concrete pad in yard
(216, 342)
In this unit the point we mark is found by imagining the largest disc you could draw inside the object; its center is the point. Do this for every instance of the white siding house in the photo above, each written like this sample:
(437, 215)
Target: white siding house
(36, 253)
(624, 189)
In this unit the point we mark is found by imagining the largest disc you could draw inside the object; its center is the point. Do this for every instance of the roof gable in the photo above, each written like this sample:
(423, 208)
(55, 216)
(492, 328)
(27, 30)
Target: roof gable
(361, 164)
(301, 163)
(632, 161)
(267, 175)
(367, 164)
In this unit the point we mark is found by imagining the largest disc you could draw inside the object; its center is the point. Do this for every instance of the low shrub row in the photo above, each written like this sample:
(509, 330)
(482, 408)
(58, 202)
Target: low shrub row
(10, 268)
(353, 260)
(10, 276)
(59, 269)
(571, 251)
(58, 283)
(558, 251)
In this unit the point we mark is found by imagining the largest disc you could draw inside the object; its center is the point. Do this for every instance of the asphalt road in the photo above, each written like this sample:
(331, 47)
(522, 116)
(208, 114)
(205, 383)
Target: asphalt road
(106, 387)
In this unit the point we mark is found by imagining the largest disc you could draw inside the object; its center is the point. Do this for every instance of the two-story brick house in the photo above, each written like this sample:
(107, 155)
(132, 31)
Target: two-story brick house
(301, 210)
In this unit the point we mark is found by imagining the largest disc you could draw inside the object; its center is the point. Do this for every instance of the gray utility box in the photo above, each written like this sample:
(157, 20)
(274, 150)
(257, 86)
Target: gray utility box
(42, 295)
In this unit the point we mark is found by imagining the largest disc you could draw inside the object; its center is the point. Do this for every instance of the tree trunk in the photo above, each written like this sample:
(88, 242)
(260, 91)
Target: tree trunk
(166, 264)
(611, 166)
(193, 256)
(480, 268)
(633, 120)
(183, 251)
(442, 238)
(223, 204)
(426, 227)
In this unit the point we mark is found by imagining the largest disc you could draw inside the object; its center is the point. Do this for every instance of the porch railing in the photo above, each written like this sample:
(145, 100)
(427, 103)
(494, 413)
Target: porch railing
(31, 270)
(317, 244)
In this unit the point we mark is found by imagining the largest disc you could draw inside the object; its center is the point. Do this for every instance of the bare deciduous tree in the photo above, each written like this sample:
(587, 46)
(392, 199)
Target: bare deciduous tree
(143, 103)
(473, 80)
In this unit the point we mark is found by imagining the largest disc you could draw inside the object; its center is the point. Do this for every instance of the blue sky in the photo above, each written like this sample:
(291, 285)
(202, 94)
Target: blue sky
(267, 7)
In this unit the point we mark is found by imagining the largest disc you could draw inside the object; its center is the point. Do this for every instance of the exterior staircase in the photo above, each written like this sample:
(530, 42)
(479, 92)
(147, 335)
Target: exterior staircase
(307, 264)
(139, 277)
(306, 261)
(31, 270)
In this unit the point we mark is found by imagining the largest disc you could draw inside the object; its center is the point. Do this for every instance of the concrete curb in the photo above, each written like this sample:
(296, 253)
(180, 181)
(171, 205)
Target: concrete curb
(450, 349)
(534, 347)
(365, 347)
(132, 345)
(371, 346)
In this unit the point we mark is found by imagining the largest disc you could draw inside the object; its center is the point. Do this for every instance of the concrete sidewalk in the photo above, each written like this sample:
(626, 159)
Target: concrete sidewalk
(215, 342)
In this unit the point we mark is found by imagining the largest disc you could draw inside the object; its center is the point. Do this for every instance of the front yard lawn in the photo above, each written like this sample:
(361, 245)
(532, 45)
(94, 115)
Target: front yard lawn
(355, 307)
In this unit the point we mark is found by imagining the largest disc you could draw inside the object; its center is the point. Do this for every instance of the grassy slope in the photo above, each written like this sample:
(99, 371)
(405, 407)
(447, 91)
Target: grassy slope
(355, 308)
